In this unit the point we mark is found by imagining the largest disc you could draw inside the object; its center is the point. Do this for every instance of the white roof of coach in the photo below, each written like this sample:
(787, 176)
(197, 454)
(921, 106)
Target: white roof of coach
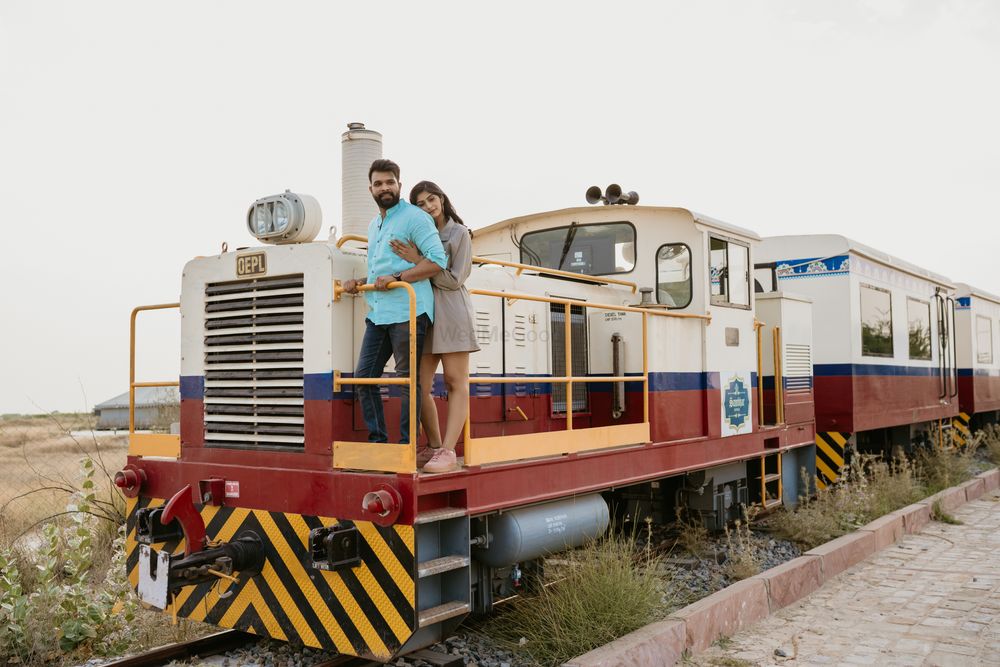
(964, 289)
(699, 218)
(831, 245)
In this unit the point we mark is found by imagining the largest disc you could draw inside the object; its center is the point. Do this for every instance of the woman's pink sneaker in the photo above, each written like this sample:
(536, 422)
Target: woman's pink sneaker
(444, 460)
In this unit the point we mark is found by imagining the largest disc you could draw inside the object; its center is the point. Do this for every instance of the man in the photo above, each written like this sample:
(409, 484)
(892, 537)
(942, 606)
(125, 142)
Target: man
(387, 327)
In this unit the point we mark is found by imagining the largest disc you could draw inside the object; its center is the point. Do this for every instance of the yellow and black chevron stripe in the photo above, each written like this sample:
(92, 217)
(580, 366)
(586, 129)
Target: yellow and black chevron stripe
(830, 455)
(961, 435)
(367, 611)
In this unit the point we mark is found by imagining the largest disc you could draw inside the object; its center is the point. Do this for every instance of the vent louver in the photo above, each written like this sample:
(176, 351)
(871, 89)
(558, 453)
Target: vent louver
(798, 367)
(254, 363)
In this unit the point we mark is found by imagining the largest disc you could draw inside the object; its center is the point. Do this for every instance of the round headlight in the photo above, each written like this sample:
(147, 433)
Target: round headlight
(281, 215)
(285, 218)
(262, 220)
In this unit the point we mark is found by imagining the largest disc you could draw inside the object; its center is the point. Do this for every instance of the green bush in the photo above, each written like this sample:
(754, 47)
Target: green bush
(58, 612)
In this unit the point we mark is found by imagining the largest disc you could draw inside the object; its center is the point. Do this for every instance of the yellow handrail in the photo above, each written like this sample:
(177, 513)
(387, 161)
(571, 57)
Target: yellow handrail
(569, 379)
(603, 280)
(758, 326)
(351, 237)
(589, 304)
(779, 389)
(132, 384)
(411, 381)
(639, 431)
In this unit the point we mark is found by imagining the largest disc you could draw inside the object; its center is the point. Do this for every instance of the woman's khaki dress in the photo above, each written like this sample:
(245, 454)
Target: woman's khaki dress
(453, 329)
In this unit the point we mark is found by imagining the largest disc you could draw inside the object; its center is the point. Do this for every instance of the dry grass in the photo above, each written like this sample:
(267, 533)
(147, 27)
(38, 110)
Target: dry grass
(743, 561)
(613, 589)
(939, 468)
(868, 489)
(692, 535)
(989, 437)
(40, 464)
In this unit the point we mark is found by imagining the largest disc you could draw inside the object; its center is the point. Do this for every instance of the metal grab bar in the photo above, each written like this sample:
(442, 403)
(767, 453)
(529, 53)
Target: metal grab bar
(601, 280)
(590, 304)
(338, 291)
(779, 378)
(132, 384)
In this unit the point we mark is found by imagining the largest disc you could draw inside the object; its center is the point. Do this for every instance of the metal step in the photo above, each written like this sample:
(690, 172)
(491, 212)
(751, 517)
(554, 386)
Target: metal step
(430, 516)
(773, 477)
(771, 502)
(443, 564)
(443, 612)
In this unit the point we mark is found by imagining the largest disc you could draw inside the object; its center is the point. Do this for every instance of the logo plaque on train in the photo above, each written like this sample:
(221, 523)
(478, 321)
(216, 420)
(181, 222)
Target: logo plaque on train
(252, 264)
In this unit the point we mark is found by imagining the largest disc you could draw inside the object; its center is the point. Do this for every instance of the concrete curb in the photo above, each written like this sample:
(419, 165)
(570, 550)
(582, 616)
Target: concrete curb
(746, 602)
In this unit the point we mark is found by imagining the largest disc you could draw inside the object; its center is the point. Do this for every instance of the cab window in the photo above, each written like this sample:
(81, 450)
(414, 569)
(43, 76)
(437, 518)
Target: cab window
(729, 273)
(673, 275)
(876, 322)
(597, 250)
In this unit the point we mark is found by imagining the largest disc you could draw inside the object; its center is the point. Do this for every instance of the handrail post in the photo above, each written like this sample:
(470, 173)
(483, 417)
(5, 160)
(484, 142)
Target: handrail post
(645, 369)
(779, 389)
(569, 368)
(758, 327)
(413, 367)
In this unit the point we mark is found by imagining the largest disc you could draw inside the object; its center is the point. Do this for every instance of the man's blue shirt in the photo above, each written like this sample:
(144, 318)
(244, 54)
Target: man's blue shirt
(404, 222)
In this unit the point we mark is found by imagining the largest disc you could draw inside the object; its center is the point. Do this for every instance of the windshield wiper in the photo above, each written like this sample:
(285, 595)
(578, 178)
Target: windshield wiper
(570, 235)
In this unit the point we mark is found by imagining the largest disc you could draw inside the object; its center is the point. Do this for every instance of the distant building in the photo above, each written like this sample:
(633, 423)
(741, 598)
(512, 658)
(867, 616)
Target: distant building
(155, 408)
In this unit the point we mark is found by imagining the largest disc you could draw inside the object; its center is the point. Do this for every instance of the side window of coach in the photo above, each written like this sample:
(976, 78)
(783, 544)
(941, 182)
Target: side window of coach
(918, 318)
(984, 340)
(876, 322)
(673, 275)
(729, 273)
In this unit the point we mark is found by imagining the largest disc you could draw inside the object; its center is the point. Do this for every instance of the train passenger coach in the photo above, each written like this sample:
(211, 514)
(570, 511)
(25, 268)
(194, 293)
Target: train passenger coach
(977, 334)
(622, 349)
(885, 363)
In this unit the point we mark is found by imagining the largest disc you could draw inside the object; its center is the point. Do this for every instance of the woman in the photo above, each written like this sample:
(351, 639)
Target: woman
(452, 336)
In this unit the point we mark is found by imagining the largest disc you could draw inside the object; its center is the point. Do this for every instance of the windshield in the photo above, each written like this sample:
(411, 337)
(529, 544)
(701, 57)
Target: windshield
(596, 250)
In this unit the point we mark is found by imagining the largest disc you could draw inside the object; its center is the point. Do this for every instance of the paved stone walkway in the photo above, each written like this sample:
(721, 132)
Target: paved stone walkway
(930, 599)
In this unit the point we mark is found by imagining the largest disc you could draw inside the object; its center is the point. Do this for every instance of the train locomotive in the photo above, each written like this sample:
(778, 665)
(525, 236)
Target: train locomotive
(634, 360)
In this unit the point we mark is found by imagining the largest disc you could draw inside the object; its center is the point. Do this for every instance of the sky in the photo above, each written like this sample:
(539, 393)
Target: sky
(133, 136)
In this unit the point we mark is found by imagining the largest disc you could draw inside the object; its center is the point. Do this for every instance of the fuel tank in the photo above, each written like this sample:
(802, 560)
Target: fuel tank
(529, 532)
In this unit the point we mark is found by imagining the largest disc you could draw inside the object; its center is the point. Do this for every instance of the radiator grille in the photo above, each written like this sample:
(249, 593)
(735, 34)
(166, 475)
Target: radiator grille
(254, 363)
(798, 367)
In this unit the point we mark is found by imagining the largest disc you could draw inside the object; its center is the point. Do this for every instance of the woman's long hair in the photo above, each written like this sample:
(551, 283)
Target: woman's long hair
(432, 188)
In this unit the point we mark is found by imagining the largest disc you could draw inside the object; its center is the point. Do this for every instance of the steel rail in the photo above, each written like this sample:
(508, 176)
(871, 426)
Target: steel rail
(215, 644)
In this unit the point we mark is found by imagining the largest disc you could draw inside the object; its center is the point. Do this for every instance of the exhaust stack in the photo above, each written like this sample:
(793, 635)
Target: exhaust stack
(359, 148)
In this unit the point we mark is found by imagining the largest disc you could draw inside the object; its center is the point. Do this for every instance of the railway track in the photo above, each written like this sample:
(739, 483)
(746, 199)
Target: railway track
(214, 646)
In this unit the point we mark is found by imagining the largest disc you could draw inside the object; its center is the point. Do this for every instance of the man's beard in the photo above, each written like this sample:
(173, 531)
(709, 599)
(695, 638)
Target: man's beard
(387, 199)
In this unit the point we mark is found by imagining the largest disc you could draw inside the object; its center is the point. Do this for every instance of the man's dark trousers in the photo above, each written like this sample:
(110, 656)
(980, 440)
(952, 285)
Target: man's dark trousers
(382, 341)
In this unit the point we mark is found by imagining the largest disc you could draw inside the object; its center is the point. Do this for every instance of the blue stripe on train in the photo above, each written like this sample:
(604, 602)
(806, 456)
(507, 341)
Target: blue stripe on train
(319, 386)
(978, 372)
(824, 370)
(794, 383)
